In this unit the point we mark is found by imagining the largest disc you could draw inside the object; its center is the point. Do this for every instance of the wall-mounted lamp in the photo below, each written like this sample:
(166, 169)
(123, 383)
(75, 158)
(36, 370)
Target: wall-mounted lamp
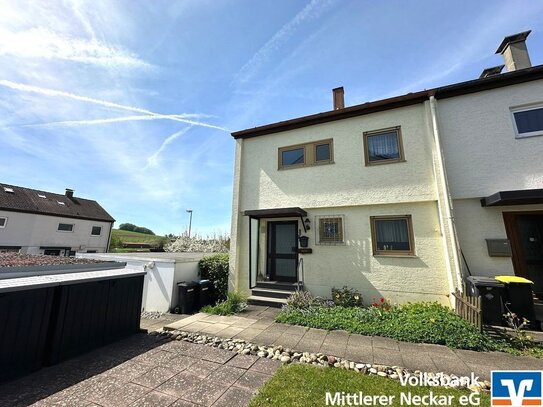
(307, 224)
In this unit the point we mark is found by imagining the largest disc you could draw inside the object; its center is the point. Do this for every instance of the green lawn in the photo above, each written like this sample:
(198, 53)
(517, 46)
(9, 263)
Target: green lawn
(135, 237)
(304, 385)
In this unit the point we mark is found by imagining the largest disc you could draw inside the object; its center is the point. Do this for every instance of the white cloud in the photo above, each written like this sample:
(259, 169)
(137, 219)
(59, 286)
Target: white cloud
(40, 42)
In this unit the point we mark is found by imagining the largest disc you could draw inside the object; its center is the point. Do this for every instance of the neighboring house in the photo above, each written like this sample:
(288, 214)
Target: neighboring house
(388, 193)
(39, 222)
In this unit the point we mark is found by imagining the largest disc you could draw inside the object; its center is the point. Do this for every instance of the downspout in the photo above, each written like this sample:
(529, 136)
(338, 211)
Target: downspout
(448, 200)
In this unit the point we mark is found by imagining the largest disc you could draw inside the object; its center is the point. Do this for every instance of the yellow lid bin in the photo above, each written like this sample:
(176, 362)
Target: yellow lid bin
(513, 279)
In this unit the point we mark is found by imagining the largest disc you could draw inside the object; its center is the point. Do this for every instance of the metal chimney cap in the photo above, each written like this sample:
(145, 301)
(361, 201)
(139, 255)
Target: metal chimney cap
(511, 39)
(495, 70)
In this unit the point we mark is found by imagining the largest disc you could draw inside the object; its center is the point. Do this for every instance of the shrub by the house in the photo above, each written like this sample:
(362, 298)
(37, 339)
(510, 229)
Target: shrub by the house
(215, 268)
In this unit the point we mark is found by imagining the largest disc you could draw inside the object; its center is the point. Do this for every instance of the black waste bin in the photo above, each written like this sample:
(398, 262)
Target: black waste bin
(187, 297)
(492, 293)
(520, 298)
(204, 293)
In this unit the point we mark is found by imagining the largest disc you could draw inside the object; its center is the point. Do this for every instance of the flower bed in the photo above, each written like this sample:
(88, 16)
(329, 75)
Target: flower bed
(423, 322)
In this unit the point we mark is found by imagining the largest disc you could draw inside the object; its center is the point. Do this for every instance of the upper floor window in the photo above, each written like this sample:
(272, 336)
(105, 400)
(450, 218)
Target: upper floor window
(3, 222)
(528, 121)
(392, 235)
(383, 146)
(65, 227)
(330, 229)
(301, 155)
(96, 230)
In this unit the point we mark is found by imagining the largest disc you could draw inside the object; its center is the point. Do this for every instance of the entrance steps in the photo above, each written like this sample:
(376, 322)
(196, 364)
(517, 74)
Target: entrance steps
(271, 293)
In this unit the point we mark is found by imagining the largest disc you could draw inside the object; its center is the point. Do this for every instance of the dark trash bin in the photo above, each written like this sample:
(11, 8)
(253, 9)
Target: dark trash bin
(203, 293)
(187, 297)
(520, 298)
(492, 293)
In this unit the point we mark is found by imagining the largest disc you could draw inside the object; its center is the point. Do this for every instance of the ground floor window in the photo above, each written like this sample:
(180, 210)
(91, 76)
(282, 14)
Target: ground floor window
(330, 229)
(392, 235)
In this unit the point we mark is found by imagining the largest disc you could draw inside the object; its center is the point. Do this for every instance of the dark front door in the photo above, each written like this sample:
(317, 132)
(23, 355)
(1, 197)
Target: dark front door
(525, 231)
(282, 250)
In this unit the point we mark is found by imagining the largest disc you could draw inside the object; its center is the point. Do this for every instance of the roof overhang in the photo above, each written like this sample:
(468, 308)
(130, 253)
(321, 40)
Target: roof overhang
(518, 197)
(457, 89)
(276, 213)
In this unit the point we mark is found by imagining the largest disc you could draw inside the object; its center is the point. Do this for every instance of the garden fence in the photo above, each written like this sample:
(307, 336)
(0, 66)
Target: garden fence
(469, 308)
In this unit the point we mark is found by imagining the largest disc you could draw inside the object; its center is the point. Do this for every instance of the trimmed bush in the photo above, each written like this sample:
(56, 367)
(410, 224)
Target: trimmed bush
(233, 304)
(215, 268)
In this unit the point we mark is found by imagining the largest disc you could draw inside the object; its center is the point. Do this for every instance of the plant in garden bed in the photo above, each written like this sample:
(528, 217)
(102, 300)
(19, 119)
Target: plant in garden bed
(234, 303)
(346, 297)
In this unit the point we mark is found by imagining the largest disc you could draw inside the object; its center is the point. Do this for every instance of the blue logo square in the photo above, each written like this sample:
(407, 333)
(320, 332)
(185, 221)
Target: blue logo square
(517, 387)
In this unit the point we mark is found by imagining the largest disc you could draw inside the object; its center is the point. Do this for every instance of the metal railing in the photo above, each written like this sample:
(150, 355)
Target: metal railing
(300, 282)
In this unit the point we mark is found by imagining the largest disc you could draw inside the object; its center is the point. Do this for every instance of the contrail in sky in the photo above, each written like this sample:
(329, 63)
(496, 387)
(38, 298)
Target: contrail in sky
(51, 92)
(153, 159)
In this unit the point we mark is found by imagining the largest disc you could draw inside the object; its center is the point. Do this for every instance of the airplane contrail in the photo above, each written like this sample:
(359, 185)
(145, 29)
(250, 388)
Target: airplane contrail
(153, 159)
(57, 93)
(109, 120)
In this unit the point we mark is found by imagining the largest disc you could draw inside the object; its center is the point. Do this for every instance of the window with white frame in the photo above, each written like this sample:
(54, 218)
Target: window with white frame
(3, 222)
(330, 229)
(528, 121)
(65, 227)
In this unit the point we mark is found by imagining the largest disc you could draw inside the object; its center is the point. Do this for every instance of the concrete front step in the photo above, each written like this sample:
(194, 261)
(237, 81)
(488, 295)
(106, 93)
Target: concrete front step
(269, 292)
(277, 285)
(266, 301)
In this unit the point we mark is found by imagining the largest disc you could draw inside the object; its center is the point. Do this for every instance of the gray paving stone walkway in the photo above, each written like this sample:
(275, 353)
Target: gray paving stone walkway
(145, 370)
(257, 325)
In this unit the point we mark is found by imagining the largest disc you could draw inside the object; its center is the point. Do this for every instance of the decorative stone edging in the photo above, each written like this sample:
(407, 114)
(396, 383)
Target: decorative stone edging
(286, 355)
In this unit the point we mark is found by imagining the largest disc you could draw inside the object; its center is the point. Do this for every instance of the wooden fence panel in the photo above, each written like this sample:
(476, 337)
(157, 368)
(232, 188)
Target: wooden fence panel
(469, 308)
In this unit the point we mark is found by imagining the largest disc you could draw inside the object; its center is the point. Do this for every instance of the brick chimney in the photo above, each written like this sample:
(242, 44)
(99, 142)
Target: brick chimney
(514, 51)
(69, 193)
(338, 97)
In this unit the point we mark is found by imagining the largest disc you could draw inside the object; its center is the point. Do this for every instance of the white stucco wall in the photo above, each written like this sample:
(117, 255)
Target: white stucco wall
(482, 155)
(348, 181)
(31, 231)
(350, 188)
(475, 224)
(164, 271)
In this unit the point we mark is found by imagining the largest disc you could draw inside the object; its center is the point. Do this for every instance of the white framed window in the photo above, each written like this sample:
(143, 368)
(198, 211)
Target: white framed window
(330, 229)
(65, 227)
(528, 120)
(3, 222)
(96, 230)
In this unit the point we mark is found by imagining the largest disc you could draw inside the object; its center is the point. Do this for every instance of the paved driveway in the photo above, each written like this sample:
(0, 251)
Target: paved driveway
(145, 371)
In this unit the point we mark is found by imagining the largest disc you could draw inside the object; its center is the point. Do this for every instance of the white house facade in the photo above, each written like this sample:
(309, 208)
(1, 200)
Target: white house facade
(40, 222)
(386, 197)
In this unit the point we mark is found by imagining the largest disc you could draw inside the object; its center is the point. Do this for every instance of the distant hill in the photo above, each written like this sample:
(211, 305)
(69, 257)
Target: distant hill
(124, 236)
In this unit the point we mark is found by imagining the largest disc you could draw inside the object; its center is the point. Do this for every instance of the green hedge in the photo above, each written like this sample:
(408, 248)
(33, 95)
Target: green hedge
(215, 268)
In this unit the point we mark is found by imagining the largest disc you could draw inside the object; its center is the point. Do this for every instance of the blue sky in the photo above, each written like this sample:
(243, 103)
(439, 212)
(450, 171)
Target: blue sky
(131, 102)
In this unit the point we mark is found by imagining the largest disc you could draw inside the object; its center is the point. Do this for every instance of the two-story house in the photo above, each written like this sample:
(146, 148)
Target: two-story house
(40, 222)
(385, 196)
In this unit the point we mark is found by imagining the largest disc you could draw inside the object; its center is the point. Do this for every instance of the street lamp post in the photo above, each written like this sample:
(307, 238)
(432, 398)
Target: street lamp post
(190, 220)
